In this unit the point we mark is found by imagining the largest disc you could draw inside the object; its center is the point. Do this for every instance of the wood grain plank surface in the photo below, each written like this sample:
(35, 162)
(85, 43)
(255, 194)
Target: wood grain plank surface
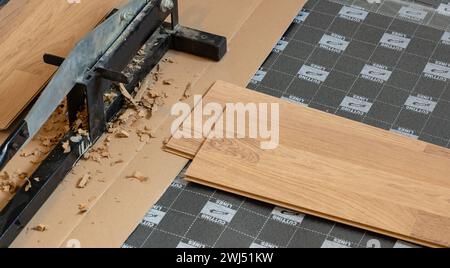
(30, 28)
(334, 168)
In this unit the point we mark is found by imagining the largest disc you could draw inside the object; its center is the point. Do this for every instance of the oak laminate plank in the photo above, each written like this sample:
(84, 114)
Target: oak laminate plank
(30, 28)
(334, 168)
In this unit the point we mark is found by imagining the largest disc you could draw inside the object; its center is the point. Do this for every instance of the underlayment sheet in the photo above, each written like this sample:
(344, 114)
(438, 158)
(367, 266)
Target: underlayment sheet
(434, 13)
(388, 72)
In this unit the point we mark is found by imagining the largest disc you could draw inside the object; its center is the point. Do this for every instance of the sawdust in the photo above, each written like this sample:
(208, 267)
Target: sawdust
(168, 82)
(168, 59)
(83, 132)
(83, 208)
(121, 134)
(127, 94)
(110, 97)
(7, 184)
(82, 183)
(28, 185)
(139, 108)
(166, 141)
(120, 161)
(66, 147)
(187, 92)
(40, 228)
(138, 176)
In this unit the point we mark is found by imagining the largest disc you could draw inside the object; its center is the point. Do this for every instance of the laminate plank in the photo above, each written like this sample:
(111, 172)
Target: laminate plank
(31, 28)
(334, 168)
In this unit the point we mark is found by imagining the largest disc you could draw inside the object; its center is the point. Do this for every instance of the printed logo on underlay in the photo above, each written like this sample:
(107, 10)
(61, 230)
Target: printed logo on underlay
(353, 13)
(395, 41)
(373, 243)
(412, 13)
(446, 38)
(258, 77)
(437, 71)
(154, 216)
(376, 73)
(295, 99)
(313, 73)
(444, 9)
(187, 243)
(287, 216)
(281, 46)
(219, 212)
(262, 244)
(333, 42)
(420, 103)
(356, 105)
(301, 17)
(179, 183)
(336, 243)
(402, 244)
(405, 132)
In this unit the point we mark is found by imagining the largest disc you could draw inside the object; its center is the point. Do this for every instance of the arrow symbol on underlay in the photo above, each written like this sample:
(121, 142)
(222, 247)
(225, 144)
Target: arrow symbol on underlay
(334, 43)
(350, 12)
(411, 12)
(396, 41)
(376, 73)
(416, 103)
(352, 104)
(439, 71)
(218, 212)
(313, 73)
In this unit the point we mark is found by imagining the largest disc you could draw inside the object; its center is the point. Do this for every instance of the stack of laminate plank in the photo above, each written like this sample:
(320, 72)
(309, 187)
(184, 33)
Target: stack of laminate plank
(330, 167)
(28, 30)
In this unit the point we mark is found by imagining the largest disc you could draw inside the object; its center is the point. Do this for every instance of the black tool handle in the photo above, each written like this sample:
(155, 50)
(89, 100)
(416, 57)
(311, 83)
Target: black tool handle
(13, 144)
(199, 43)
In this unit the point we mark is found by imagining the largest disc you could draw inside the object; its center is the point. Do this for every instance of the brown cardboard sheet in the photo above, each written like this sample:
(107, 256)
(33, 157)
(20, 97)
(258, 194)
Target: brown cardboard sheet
(117, 204)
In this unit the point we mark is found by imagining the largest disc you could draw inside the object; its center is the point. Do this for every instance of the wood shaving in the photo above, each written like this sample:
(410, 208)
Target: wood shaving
(169, 60)
(37, 179)
(86, 156)
(122, 134)
(22, 175)
(40, 228)
(120, 161)
(166, 141)
(124, 118)
(187, 92)
(83, 208)
(138, 176)
(8, 186)
(126, 94)
(28, 185)
(109, 97)
(66, 147)
(83, 132)
(82, 183)
(168, 82)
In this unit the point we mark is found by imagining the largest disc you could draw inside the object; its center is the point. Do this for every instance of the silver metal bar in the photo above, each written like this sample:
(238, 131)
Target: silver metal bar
(85, 54)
